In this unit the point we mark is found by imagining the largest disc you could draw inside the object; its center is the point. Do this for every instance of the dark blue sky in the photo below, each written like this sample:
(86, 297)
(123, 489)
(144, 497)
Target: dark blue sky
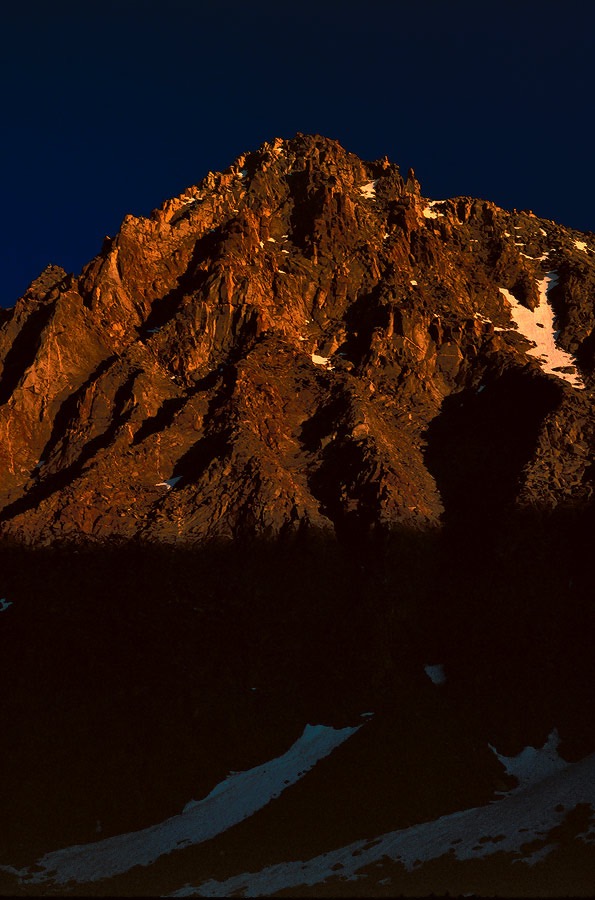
(112, 107)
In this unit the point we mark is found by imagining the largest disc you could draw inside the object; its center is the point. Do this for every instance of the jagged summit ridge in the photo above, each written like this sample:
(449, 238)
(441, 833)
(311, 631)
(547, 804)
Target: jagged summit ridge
(302, 340)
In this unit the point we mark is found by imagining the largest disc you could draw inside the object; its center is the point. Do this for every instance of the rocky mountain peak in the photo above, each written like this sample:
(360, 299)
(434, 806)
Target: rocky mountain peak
(300, 341)
(296, 484)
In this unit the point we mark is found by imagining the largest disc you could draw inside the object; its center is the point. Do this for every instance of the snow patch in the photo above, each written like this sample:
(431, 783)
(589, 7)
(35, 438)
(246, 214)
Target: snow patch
(531, 766)
(368, 190)
(539, 258)
(413, 281)
(505, 825)
(430, 212)
(4, 604)
(538, 327)
(435, 674)
(321, 361)
(581, 245)
(170, 483)
(233, 800)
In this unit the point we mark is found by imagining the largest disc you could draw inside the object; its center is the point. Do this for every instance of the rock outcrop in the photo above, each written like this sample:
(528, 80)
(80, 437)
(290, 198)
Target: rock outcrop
(301, 341)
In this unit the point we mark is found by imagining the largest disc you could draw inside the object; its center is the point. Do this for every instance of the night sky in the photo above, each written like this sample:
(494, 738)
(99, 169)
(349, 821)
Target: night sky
(110, 108)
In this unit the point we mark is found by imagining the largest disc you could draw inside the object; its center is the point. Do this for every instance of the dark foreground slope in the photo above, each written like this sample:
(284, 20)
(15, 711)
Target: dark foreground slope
(304, 448)
(137, 679)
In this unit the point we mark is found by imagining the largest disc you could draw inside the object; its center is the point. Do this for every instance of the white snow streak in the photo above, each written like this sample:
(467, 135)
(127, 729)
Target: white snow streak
(233, 800)
(505, 825)
(540, 258)
(170, 483)
(321, 360)
(538, 327)
(581, 245)
(368, 190)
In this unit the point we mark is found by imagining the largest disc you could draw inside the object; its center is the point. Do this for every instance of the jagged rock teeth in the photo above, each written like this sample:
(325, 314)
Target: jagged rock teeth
(302, 340)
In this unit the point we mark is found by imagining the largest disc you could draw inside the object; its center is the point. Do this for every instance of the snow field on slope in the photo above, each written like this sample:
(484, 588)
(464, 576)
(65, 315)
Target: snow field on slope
(233, 800)
(538, 326)
(549, 790)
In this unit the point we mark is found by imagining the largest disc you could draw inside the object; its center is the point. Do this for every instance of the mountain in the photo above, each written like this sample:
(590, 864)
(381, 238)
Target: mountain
(296, 520)
(303, 340)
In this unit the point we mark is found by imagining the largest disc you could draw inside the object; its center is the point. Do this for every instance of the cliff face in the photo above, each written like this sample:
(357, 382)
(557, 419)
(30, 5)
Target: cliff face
(301, 341)
(301, 345)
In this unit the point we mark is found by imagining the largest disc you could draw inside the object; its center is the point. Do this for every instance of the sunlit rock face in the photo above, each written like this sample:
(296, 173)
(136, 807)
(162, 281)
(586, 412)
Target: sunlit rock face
(291, 344)
(296, 535)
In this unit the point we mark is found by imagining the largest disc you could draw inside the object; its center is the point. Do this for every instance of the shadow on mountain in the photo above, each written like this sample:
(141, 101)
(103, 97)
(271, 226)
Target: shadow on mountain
(478, 445)
(162, 419)
(165, 308)
(135, 677)
(24, 350)
(69, 410)
(56, 481)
